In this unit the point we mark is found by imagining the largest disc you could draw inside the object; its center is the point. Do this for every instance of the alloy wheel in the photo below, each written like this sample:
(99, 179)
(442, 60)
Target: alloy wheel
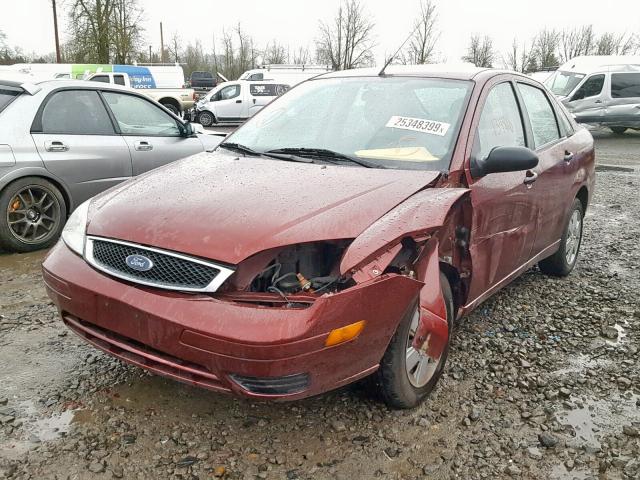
(33, 214)
(419, 366)
(574, 234)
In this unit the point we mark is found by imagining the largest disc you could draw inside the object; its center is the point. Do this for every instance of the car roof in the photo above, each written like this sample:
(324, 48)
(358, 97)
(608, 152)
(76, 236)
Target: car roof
(589, 63)
(458, 71)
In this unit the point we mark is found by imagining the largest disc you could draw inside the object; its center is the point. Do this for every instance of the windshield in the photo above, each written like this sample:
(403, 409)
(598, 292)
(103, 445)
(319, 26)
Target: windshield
(562, 83)
(400, 122)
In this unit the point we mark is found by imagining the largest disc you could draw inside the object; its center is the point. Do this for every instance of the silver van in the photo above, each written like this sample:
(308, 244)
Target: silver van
(600, 90)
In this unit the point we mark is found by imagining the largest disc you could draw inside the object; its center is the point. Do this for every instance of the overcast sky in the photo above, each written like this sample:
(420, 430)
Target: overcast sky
(28, 23)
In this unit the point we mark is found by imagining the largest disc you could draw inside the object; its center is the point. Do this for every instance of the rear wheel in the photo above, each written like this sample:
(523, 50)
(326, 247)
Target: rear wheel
(33, 214)
(562, 262)
(618, 130)
(172, 108)
(206, 119)
(406, 376)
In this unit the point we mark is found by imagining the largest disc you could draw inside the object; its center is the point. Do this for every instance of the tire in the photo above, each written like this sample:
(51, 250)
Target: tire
(172, 108)
(618, 130)
(32, 214)
(392, 380)
(206, 119)
(562, 262)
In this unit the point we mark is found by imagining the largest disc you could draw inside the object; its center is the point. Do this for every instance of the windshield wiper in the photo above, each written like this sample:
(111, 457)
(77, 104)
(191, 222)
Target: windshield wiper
(249, 151)
(327, 155)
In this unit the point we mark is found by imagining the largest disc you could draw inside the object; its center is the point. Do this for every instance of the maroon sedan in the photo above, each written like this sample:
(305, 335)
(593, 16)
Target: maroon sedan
(336, 235)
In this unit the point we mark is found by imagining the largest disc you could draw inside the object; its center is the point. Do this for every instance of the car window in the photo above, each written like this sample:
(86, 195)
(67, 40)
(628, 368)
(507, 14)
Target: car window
(137, 116)
(118, 79)
(500, 122)
(563, 83)
(590, 88)
(227, 93)
(7, 96)
(100, 78)
(541, 116)
(257, 76)
(625, 85)
(76, 112)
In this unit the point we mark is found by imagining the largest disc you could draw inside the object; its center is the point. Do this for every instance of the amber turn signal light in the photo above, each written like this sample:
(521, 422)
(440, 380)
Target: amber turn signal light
(344, 334)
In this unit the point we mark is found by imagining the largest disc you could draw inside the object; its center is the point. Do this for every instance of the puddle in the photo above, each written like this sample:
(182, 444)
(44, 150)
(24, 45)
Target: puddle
(580, 363)
(621, 335)
(595, 419)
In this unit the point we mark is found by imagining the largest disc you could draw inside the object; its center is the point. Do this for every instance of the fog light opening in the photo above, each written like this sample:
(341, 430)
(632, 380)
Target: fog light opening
(344, 334)
(285, 385)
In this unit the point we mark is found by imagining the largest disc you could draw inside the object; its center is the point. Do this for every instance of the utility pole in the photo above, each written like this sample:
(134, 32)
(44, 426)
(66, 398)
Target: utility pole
(161, 45)
(55, 30)
(150, 60)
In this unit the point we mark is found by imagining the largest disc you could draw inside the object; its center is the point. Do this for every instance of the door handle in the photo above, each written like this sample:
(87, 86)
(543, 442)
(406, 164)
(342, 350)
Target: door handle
(530, 177)
(238, 101)
(55, 146)
(254, 101)
(142, 146)
(598, 101)
(568, 156)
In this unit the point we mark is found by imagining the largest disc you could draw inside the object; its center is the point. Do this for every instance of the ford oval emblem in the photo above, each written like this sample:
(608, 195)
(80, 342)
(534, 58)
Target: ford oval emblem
(139, 263)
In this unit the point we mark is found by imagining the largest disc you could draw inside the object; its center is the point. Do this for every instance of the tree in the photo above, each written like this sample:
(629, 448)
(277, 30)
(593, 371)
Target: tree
(612, 44)
(347, 41)
(422, 45)
(546, 45)
(579, 41)
(275, 53)
(174, 47)
(480, 51)
(302, 56)
(520, 58)
(104, 30)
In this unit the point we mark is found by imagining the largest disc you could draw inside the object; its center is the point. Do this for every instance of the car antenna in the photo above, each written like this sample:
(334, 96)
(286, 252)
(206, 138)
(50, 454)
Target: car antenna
(381, 72)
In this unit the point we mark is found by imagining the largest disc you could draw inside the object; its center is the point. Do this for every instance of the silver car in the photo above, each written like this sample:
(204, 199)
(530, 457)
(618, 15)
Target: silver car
(62, 142)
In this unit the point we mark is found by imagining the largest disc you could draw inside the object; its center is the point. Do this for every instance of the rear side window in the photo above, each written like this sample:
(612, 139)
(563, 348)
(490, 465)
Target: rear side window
(500, 123)
(625, 85)
(543, 120)
(76, 112)
(590, 88)
(118, 79)
(100, 78)
(6, 97)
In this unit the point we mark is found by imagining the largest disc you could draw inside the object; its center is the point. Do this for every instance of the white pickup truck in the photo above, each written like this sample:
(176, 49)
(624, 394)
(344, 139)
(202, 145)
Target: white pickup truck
(178, 100)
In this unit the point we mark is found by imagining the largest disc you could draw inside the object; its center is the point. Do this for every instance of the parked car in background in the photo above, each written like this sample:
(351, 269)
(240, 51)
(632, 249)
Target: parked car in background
(600, 90)
(177, 100)
(283, 73)
(335, 235)
(202, 80)
(63, 141)
(235, 102)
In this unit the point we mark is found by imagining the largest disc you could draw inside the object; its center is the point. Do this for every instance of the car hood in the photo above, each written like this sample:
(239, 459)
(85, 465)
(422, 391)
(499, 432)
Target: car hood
(225, 208)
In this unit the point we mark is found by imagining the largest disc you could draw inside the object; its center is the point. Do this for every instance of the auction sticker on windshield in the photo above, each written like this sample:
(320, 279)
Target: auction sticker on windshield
(418, 125)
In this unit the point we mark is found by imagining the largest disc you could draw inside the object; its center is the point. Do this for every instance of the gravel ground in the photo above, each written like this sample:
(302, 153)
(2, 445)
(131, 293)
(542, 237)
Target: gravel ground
(543, 381)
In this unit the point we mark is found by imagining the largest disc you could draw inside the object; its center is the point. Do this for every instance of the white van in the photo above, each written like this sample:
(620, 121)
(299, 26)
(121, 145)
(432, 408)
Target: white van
(235, 102)
(289, 74)
(600, 90)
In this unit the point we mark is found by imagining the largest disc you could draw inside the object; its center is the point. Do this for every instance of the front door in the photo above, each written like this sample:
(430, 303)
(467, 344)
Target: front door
(78, 144)
(588, 102)
(230, 105)
(153, 136)
(504, 213)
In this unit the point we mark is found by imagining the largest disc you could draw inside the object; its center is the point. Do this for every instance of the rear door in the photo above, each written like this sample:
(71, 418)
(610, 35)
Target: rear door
(78, 143)
(589, 101)
(553, 188)
(153, 136)
(623, 108)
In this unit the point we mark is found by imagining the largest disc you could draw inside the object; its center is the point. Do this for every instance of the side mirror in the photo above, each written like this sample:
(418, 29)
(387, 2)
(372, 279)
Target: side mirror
(505, 159)
(188, 130)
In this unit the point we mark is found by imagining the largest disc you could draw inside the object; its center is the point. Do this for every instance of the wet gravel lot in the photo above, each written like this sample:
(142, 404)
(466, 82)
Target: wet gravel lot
(543, 381)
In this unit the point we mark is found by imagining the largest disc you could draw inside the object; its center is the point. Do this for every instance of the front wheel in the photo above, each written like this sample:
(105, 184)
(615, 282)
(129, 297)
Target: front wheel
(618, 130)
(33, 213)
(406, 376)
(172, 108)
(562, 262)
(206, 119)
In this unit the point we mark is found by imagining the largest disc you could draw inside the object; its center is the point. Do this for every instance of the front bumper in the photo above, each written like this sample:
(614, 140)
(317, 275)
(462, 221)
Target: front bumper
(207, 342)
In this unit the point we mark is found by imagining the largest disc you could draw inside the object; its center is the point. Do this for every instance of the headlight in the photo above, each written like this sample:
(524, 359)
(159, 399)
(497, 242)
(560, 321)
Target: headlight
(74, 231)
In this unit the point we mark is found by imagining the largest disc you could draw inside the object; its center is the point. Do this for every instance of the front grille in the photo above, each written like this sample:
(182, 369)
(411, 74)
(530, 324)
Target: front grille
(169, 270)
